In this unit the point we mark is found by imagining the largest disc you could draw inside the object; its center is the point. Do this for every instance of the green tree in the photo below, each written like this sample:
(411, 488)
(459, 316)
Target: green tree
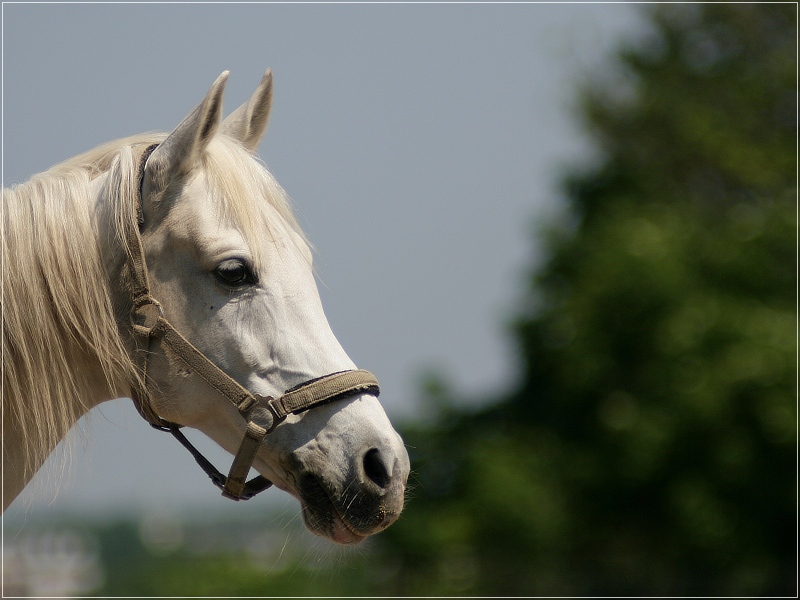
(650, 445)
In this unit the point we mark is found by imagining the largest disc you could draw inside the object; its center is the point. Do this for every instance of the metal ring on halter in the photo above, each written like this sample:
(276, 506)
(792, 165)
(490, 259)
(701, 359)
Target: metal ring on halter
(266, 413)
(143, 318)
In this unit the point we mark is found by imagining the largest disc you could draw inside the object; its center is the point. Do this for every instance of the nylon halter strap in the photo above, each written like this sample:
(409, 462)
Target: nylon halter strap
(262, 413)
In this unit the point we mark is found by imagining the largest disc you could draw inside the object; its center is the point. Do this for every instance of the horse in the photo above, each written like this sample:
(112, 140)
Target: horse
(169, 268)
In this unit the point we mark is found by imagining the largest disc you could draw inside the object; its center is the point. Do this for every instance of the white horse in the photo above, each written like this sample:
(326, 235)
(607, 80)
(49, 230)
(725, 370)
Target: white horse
(109, 255)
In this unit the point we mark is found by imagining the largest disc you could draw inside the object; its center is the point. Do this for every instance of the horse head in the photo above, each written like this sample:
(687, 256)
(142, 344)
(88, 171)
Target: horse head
(233, 273)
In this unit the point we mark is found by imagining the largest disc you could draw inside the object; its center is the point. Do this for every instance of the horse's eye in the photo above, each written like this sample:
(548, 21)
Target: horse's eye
(234, 273)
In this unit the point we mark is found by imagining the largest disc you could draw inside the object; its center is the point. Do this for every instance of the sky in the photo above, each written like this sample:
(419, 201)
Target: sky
(421, 144)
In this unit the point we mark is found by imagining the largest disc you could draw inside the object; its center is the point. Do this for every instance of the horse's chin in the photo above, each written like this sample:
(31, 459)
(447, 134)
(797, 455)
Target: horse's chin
(325, 516)
(321, 516)
(332, 527)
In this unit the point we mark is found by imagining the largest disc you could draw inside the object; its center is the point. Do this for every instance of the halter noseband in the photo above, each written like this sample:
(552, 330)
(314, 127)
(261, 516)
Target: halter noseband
(262, 413)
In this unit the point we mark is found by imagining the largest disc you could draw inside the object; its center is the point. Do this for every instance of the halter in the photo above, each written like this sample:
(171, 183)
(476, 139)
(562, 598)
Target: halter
(262, 413)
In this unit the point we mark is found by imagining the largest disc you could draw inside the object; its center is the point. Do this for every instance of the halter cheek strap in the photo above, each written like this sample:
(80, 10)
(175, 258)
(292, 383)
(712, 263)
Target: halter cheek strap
(261, 413)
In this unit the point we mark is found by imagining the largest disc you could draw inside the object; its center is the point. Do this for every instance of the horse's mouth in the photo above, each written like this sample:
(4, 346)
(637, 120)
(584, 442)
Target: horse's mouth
(330, 524)
(323, 516)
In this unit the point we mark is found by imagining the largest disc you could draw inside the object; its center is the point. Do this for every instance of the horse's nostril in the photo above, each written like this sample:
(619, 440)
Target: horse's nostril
(375, 468)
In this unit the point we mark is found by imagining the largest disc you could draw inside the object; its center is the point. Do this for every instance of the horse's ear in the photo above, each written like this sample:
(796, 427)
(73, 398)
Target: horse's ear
(180, 152)
(249, 122)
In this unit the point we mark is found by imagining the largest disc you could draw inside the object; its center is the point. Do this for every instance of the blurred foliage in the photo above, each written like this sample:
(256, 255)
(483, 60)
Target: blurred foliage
(195, 556)
(649, 447)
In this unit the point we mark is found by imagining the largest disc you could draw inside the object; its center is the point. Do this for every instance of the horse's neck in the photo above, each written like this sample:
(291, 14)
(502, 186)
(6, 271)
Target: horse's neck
(19, 464)
(15, 475)
(22, 457)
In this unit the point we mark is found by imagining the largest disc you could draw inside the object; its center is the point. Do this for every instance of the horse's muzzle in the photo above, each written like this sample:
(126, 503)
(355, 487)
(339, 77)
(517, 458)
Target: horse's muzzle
(365, 501)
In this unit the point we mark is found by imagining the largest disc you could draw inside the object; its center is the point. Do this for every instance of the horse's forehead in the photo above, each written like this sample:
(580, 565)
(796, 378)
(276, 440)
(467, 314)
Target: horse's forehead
(197, 215)
(208, 219)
